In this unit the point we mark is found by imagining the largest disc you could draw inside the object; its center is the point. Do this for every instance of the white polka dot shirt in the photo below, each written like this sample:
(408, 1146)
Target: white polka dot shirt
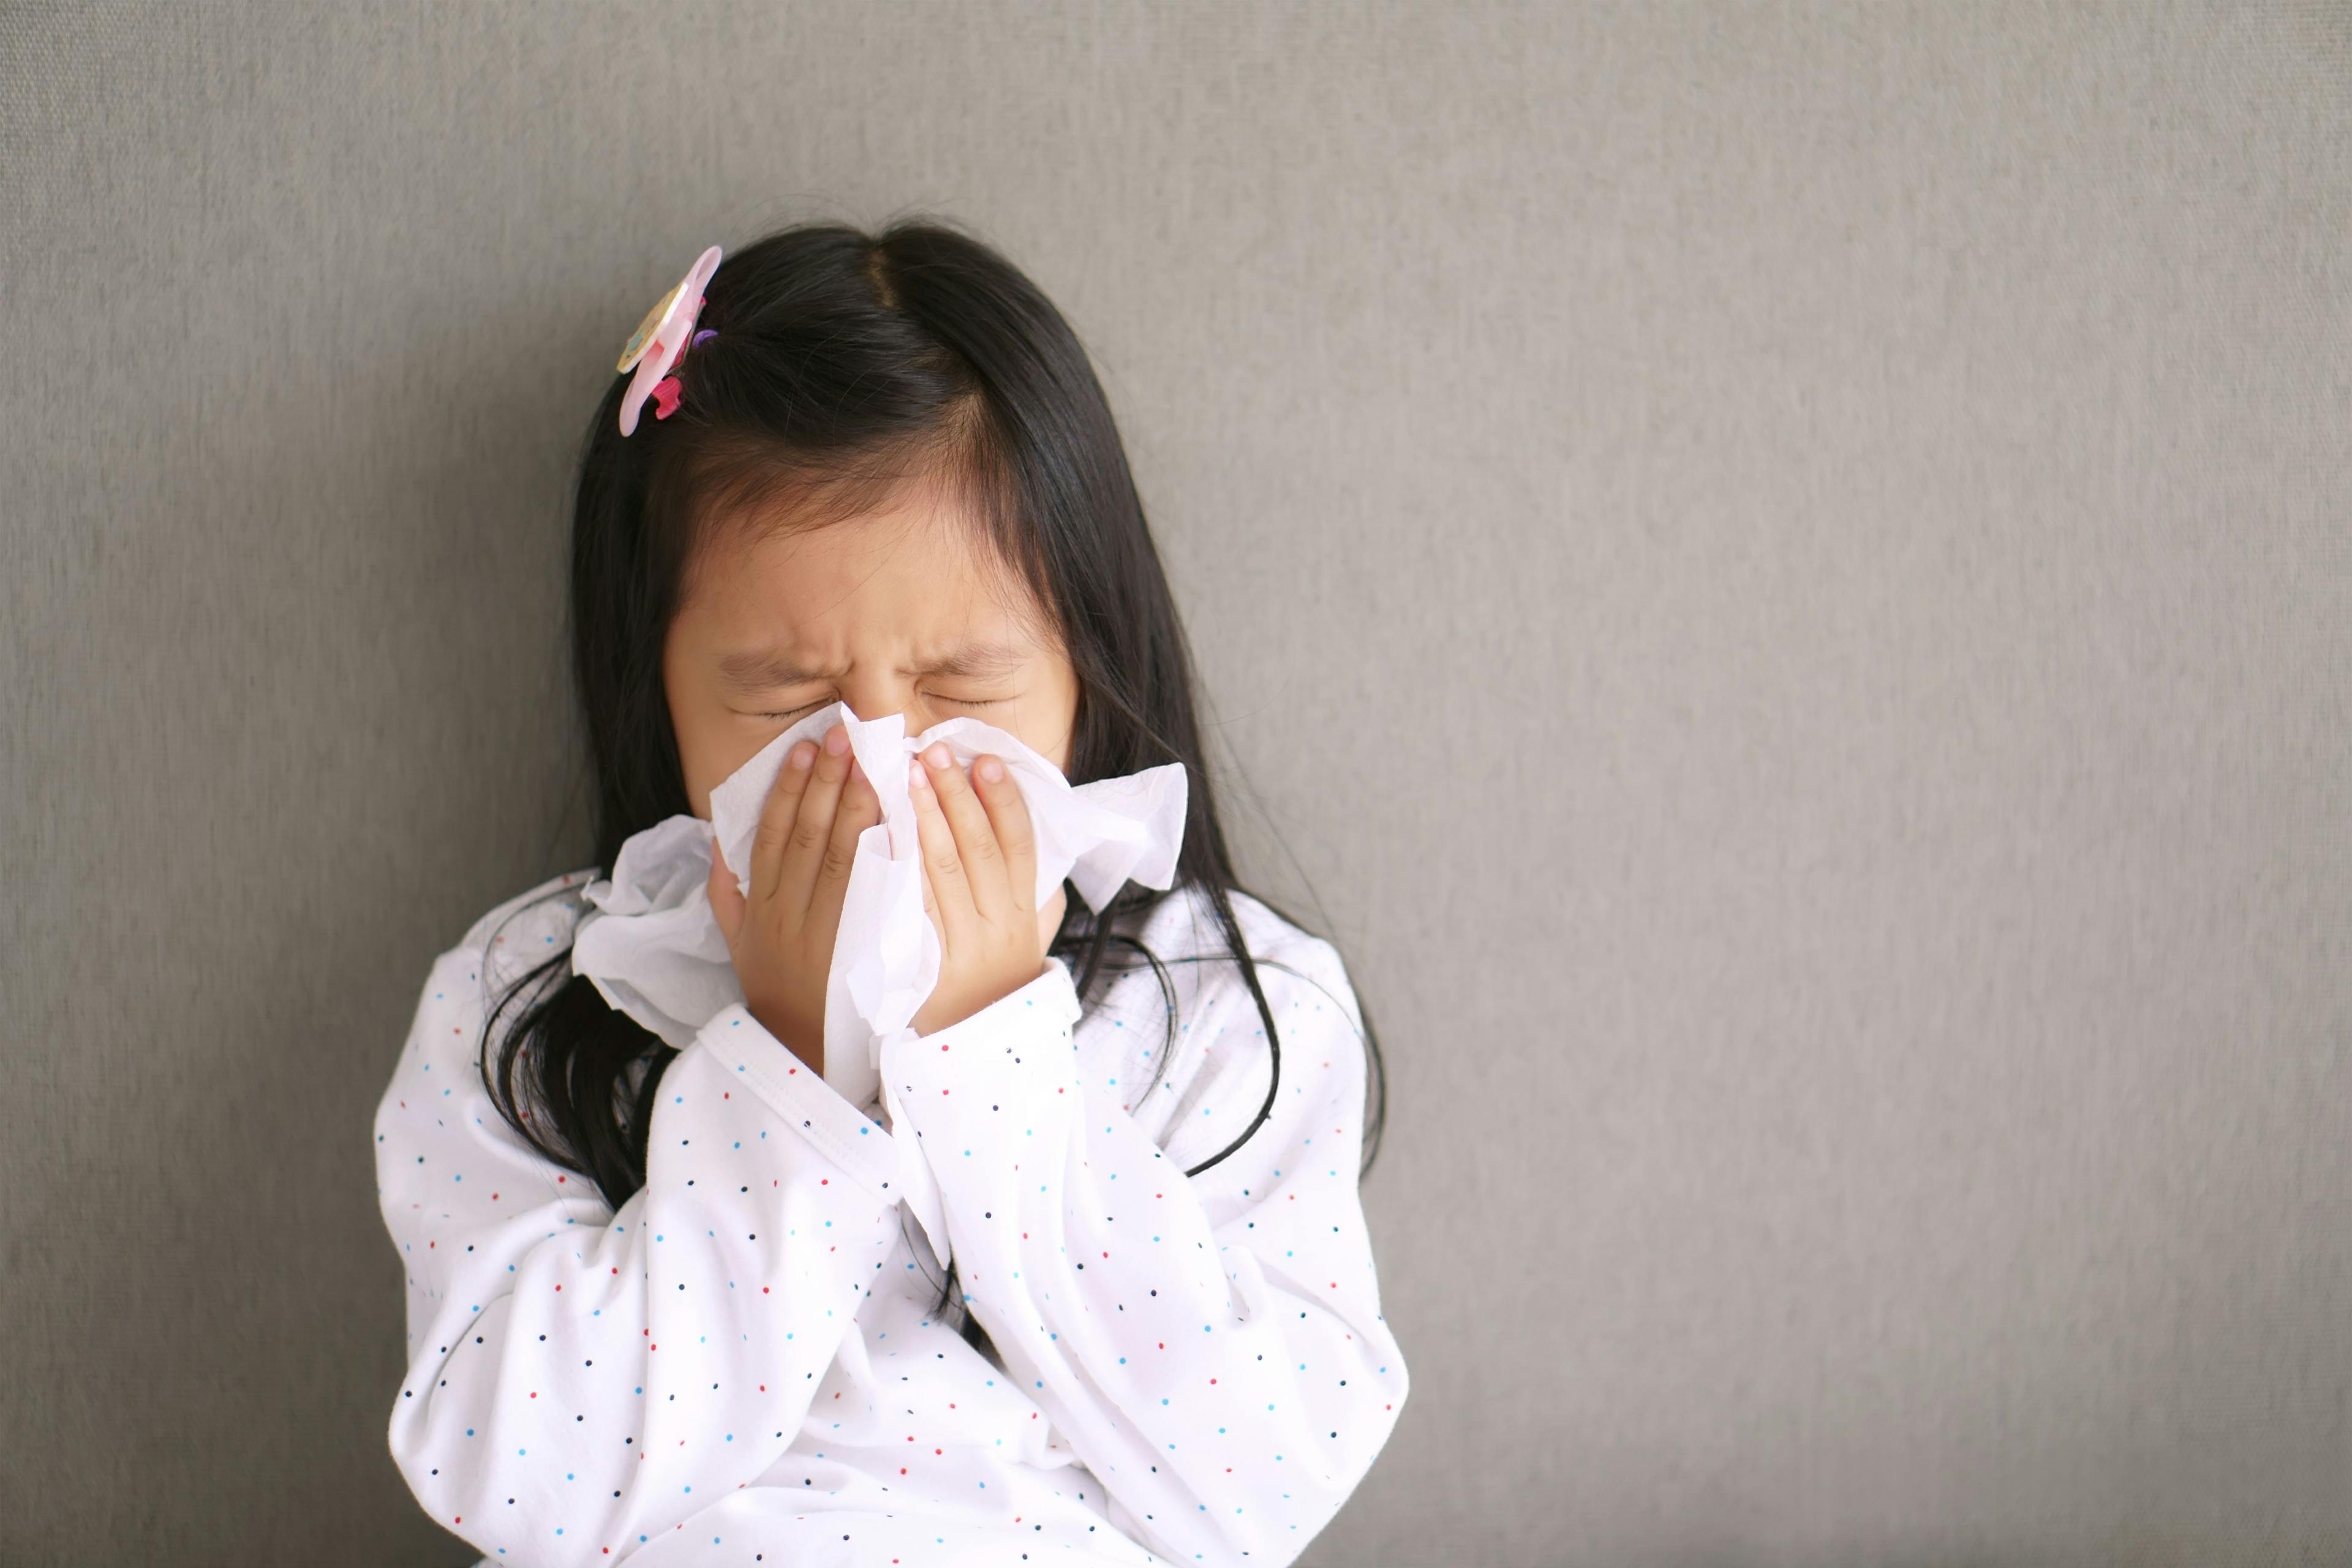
(741, 1365)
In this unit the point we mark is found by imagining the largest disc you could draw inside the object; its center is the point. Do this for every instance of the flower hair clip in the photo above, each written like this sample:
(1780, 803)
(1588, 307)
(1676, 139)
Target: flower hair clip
(658, 342)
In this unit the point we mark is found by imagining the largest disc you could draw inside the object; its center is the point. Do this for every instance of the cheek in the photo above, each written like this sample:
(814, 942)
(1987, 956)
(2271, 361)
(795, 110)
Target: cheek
(1054, 722)
(710, 755)
(699, 773)
(703, 738)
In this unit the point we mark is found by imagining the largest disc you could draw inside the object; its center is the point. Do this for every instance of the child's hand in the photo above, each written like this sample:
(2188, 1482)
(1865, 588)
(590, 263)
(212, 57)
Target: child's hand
(781, 937)
(980, 885)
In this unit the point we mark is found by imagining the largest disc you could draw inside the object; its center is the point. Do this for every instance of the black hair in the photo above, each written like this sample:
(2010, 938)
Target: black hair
(840, 363)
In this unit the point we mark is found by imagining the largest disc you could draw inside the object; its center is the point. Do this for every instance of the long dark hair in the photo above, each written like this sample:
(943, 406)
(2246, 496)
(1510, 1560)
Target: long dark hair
(842, 361)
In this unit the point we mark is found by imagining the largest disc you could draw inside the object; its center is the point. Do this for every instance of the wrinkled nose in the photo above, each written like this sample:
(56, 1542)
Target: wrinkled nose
(879, 694)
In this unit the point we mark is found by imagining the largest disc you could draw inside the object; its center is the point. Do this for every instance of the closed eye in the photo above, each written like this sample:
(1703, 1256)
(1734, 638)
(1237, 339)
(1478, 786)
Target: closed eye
(807, 708)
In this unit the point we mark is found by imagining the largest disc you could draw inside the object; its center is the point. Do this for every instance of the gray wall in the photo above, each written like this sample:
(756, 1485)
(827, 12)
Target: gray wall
(1783, 572)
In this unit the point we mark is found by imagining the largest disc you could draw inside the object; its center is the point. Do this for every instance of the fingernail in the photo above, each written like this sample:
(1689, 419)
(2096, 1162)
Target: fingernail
(801, 756)
(915, 779)
(937, 755)
(990, 769)
(836, 741)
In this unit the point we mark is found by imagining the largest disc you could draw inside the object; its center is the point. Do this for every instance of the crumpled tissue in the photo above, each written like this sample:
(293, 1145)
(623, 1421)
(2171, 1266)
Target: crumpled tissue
(652, 946)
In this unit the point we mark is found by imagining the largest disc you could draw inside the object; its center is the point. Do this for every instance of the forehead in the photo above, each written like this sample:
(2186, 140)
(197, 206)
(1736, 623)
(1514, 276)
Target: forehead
(915, 571)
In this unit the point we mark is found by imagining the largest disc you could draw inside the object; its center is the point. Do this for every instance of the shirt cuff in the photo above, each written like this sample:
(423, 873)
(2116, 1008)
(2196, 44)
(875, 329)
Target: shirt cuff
(1025, 1037)
(793, 1090)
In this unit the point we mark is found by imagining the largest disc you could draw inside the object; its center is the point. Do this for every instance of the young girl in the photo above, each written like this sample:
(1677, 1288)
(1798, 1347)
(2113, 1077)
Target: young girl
(665, 1300)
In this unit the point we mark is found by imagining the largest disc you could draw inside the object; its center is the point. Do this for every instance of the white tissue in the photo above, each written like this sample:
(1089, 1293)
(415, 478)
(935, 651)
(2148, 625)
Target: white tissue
(653, 947)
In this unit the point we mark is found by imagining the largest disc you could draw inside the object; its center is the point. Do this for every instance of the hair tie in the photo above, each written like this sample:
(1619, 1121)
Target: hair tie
(660, 340)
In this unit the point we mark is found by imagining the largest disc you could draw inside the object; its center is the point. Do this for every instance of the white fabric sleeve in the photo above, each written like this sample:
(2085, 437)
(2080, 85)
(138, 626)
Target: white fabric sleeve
(1212, 1346)
(580, 1379)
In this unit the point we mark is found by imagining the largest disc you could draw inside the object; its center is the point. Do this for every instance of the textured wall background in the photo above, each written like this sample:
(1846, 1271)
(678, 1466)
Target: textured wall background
(1783, 572)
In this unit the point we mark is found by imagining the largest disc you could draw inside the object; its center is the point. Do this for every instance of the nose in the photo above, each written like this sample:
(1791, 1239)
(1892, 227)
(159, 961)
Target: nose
(880, 693)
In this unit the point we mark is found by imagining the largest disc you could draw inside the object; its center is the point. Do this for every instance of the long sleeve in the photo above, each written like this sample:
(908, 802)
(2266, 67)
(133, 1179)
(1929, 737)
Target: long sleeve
(1212, 1346)
(581, 1380)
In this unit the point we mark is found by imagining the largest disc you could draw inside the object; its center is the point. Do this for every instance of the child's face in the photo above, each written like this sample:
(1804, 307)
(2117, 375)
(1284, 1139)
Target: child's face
(900, 611)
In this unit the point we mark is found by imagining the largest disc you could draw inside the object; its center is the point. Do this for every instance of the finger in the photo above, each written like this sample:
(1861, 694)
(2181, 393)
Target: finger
(804, 845)
(861, 809)
(776, 814)
(975, 838)
(931, 902)
(1008, 814)
(942, 865)
(726, 899)
(917, 797)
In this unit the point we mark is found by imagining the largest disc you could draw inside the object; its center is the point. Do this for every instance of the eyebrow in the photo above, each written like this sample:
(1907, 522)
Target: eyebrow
(763, 668)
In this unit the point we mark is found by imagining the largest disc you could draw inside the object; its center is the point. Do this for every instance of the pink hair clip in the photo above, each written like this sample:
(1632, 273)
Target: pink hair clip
(658, 340)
